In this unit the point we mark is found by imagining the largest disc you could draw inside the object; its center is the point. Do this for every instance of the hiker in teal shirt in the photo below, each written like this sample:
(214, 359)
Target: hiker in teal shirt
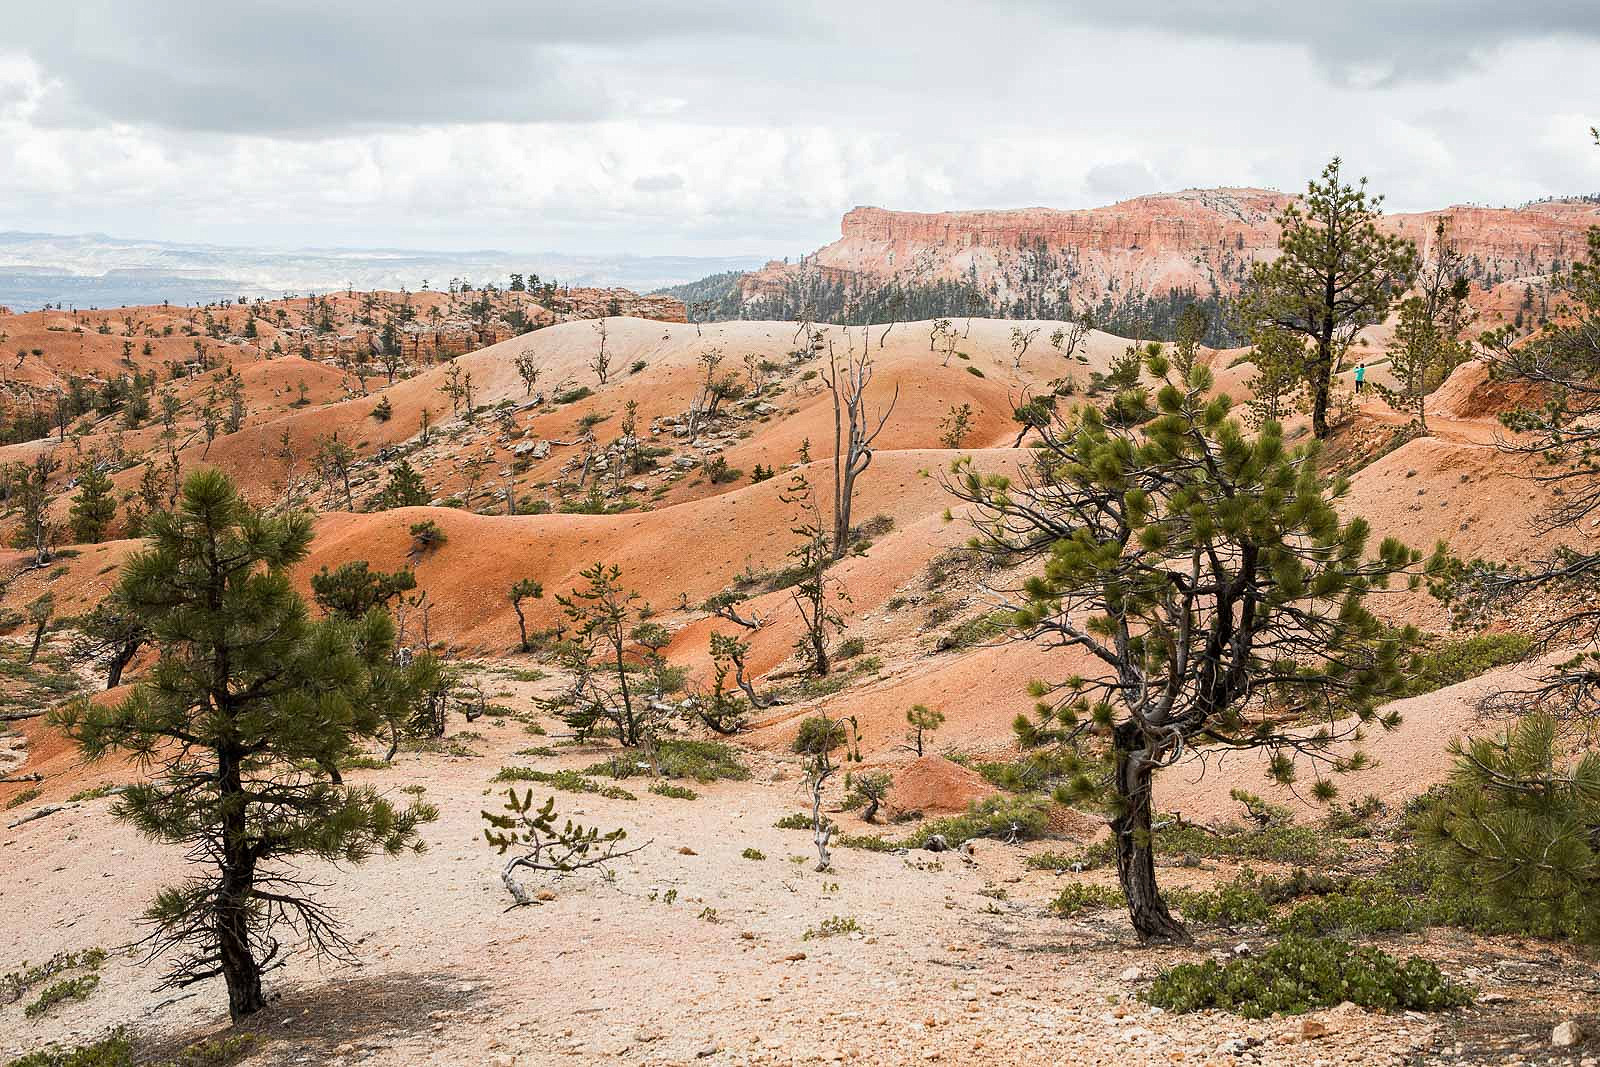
(1361, 378)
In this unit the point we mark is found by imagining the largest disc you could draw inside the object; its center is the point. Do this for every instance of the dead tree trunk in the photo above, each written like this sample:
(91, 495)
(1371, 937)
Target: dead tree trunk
(853, 434)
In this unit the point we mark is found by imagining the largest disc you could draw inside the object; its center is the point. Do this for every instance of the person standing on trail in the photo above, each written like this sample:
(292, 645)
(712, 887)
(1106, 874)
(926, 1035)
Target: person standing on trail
(1361, 378)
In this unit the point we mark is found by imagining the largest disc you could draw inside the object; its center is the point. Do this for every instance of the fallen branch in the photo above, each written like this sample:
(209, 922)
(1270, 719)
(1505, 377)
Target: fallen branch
(9, 778)
(37, 813)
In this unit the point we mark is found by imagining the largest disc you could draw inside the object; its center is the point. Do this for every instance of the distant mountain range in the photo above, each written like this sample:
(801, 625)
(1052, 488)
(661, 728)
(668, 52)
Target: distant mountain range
(94, 270)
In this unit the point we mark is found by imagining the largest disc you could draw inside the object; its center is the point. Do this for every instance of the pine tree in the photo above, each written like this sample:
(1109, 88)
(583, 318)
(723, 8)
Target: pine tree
(1523, 832)
(354, 588)
(405, 489)
(1337, 273)
(248, 699)
(1277, 387)
(520, 591)
(602, 660)
(1210, 589)
(94, 507)
(28, 485)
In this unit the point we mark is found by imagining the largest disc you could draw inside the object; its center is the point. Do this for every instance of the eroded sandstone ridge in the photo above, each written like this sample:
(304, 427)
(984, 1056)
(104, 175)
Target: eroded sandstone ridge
(1204, 240)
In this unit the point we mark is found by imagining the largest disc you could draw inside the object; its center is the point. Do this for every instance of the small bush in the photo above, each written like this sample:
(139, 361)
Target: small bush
(572, 396)
(798, 820)
(866, 842)
(676, 792)
(1080, 896)
(67, 989)
(113, 1051)
(1050, 861)
(850, 647)
(568, 781)
(30, 793)
(832, 927)
(94, 793)
(1300, 974)
(1003, 817)
(1458, 659)
(979, 629)
(818, 734)
(704, 761)
(753, 854)
(427, 534)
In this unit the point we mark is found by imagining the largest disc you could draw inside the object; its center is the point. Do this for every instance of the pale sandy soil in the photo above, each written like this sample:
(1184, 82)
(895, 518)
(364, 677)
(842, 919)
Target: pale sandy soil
(955, 961)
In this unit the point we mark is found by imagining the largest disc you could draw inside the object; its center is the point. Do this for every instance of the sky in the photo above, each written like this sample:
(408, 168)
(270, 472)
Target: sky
(714, 127)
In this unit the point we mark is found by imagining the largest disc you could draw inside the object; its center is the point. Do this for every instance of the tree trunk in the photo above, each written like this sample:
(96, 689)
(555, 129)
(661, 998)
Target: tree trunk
(119, 663)
(1136, 868)
(239, 968)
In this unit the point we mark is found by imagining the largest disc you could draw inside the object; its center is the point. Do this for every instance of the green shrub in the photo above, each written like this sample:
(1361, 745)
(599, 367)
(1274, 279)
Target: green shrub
(799, 820)
(1300, 974)
(572, 396)
(18, 982)
(1280, 841)
(866, 842)
(833, 926)
(67, 989)
(1004, 817)
(113, 1051)
(753, 854)
(704, 761)
(30, 793)
(1458, 659)
(818, 734)
(1051, 861)
(676, 792)
(850, 646)
(979, 629)
(94, 793)
(568, 781)
(427, 534)
(1080, 896)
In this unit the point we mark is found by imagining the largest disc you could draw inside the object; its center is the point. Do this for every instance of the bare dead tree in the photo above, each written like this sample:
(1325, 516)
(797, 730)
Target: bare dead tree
(854, 431)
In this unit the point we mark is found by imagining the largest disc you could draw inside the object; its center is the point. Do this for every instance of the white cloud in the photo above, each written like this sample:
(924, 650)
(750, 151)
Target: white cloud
(716, 127)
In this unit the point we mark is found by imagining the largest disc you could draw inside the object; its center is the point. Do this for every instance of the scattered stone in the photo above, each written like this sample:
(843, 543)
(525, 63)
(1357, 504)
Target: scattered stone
(1132, 974)
(1566, 1034)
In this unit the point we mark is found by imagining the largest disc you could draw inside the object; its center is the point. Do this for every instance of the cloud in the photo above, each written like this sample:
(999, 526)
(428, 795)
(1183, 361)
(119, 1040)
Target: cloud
(307, 68)
(712, 127)
(1361, 43)
(1118, 181)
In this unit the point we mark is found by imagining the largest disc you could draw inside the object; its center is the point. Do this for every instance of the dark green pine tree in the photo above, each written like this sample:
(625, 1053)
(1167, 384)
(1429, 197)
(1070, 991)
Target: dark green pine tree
(249, 698)
(354, 588)
(405, 489)
(1522, 831)
(94, 507)
(1205, 590)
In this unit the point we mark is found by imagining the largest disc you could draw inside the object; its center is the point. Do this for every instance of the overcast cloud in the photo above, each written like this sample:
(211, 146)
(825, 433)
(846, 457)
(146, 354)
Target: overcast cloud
(721, 127)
